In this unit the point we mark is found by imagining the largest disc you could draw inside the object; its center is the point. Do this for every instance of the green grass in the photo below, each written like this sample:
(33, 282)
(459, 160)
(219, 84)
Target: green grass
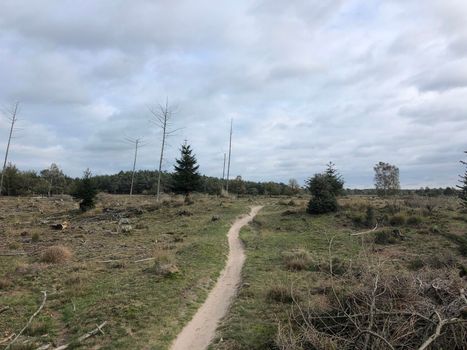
(252, 321)
(143, 310)
(264, 298)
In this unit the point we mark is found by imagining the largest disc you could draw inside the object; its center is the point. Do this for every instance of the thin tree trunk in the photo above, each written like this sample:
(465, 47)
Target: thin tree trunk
(223, 173)
(230, 153)
(164, 130)
(134, 167)
(13, 120)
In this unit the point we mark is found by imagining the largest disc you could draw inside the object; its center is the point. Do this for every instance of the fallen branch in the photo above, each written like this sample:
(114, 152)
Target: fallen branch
(141, 260)
(30, 320)
(438, 330)
(367, 331)
(98, 329)
(116, 260)
(13, 254)
(2, 310)
(364, 232)
(7, 338)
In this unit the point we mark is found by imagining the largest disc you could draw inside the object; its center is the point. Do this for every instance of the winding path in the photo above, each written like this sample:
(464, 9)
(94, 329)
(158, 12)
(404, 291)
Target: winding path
(199, 332)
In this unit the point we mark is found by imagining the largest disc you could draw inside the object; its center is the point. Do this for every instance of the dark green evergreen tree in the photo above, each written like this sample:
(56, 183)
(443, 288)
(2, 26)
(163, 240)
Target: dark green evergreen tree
(463, 186)
(186, 177)
(85, 191)
(334, 179)
(325, 188)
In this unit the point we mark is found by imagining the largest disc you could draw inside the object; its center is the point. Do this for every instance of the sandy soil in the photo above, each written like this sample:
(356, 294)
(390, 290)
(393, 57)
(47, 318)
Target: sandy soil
(199, 332)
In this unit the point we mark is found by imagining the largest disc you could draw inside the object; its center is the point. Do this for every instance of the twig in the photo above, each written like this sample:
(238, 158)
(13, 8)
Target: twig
(377, 336)
(96, 330)
(30, 319)
(364, 232)
(13, 254)
(462, 292)
(141, 260)
(372, 310)
(2, 310)
(7, 338)
(438, 329)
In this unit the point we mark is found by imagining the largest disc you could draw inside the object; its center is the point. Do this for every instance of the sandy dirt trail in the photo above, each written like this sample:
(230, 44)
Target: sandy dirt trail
(199, 332)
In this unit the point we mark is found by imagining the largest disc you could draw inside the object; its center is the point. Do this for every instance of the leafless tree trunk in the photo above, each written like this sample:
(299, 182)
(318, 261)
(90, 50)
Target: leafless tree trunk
(162, 118)
(13, 119)
(136, 142)
(230, 153)
(223, 172)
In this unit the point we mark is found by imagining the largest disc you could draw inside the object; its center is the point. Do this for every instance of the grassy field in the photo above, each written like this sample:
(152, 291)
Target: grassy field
(146, 283)
(287, 277)
(146, 267)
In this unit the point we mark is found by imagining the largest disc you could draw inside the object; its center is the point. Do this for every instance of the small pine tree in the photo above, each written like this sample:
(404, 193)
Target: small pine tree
(325, 188)
(85, 191)
(463, 186)
(335, 180)
(186, 177)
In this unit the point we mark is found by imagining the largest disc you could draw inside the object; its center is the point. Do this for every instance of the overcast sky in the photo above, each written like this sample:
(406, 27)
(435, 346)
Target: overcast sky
(306, 82)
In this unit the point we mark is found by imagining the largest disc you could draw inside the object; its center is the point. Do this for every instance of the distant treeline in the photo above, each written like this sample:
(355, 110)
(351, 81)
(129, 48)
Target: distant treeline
(426, 191)
(53, 181)
(145, 181)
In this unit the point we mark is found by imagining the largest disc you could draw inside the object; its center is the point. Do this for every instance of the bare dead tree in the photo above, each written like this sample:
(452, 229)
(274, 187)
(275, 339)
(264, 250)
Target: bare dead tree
(230, 154)
(137, 143)
(223, 172)
(162, 118)
(13, 112)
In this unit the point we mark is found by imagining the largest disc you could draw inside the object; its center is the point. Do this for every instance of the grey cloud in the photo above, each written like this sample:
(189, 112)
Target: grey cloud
(305, 81)
(449, 76)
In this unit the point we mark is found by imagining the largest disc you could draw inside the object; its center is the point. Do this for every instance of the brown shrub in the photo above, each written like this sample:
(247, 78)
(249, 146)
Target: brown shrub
(164, 265)
(4, 283)
(26, 269)
(280, 294)
(398, 306)
(56, 255)
(297, 260)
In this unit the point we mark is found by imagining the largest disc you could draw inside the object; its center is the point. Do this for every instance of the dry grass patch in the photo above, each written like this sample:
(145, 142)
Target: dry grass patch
(56, 255)
(5, 283)
(297, 260)
(281, 294)
(164, 265)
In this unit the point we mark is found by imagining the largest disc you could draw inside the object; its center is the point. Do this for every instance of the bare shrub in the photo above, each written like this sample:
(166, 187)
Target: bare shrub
(386, 310)
(56, 255)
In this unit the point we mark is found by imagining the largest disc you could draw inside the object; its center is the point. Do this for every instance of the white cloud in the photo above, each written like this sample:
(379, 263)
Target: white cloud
(307, 82)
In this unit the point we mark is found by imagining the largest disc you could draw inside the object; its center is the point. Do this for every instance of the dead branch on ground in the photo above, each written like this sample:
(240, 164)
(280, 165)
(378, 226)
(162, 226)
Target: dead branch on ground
(30, 319)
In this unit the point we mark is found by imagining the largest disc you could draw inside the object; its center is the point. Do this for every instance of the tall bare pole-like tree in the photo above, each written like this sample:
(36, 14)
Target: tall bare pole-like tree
(230, 154)
(13, 112)
(137, 144)
(162, 118)
(223, 171)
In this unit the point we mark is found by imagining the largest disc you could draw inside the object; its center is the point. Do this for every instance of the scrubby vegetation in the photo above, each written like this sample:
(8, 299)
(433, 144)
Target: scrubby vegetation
(368, 272)
(374, 275)
(145, 282)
